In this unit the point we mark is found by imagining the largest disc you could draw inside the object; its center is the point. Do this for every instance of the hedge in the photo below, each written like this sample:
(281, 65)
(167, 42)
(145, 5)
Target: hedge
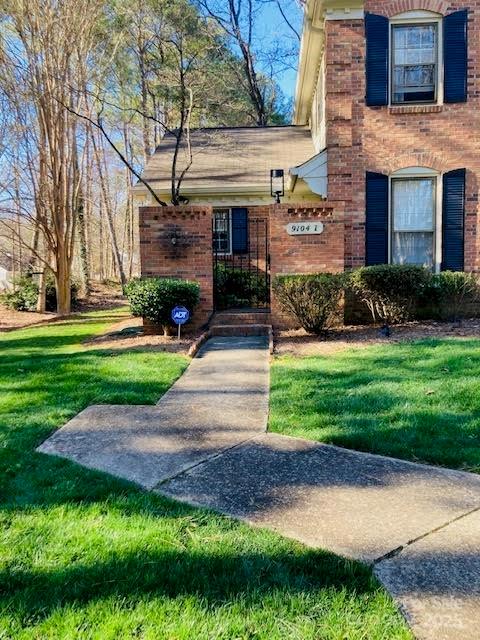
(154, 298)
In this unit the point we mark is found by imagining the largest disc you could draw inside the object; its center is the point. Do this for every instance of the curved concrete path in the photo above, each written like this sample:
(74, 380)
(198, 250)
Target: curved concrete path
(205, 444)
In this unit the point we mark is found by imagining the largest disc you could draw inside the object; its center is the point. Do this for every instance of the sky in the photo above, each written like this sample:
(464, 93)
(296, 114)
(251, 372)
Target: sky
(274, 29)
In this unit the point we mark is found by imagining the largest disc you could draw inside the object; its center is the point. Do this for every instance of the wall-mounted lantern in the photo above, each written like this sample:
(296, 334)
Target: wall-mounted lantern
(277, 184)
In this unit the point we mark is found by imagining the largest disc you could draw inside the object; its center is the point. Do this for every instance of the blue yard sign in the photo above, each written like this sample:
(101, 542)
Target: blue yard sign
(180, 315)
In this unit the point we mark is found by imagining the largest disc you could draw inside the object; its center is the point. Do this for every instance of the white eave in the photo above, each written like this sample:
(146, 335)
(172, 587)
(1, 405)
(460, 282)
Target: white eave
(311, 48)
(314, 172)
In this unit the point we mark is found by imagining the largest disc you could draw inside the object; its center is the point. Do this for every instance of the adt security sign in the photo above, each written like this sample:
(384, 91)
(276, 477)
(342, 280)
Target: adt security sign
(180, 315)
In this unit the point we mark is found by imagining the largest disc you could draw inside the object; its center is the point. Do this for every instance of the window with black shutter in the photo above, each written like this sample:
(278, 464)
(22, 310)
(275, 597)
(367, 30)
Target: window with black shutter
(404, 58)
(406, 223)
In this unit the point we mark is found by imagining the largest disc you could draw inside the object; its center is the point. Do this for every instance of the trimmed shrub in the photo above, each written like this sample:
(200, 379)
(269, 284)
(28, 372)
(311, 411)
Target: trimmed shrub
(450, 293)
(391, 292)
(237, 288)
(23, 297)
(154, 298)
(313, 300)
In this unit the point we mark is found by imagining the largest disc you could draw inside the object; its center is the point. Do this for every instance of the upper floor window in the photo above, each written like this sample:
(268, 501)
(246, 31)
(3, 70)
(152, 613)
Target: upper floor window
(414, 63)
(416, 57)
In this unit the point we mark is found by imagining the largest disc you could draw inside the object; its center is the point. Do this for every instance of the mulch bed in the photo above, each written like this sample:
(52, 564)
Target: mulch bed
(299, 343)
(128, 334)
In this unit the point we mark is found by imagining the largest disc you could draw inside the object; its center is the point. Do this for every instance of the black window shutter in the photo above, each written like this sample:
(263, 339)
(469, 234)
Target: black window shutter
(455, 54)
(376, 32)
(377, 219)
(239, 230)
(453, 220)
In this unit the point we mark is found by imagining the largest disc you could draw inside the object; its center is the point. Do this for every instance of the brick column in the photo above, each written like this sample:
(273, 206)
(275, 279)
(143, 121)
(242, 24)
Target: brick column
(305, 254)
(176, 242)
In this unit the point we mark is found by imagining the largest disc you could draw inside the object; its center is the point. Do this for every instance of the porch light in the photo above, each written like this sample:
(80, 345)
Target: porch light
(277, 184)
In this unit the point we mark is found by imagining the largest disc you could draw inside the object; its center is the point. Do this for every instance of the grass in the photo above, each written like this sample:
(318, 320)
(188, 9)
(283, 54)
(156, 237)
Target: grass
(417, 401)
(83, 555)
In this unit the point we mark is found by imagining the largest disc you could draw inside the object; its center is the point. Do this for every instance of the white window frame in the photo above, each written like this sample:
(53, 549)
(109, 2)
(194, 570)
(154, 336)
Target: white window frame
(418, 173)
(417, 18)
(230, 231)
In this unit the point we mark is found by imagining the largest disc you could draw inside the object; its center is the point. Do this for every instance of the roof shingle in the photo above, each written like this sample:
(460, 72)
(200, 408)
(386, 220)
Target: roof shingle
(229, 157)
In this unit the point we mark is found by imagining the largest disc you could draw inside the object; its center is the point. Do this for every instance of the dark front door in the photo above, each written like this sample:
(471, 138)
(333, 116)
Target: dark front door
(241, 270)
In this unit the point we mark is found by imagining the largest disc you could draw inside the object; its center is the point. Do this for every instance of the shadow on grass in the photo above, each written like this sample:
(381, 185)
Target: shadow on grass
(217, 577)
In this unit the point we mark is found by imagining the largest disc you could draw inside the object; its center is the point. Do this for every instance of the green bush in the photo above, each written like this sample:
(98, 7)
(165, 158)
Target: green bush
(23, 297)
(313, 300)
(237, 288)
(391, 292)
(450, 293)
(154, 298)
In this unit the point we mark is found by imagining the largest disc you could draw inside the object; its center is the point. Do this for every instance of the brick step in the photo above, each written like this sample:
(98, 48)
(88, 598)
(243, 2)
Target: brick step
(223, 318)
(240, 330)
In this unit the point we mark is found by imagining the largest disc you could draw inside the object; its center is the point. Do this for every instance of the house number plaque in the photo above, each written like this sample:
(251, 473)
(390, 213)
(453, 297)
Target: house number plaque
(306, 228)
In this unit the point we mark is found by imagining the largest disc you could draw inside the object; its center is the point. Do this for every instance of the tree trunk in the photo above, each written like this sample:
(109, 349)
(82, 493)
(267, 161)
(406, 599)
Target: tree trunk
(108, 215)
(62, 282)
(42, 282)
(82, 237)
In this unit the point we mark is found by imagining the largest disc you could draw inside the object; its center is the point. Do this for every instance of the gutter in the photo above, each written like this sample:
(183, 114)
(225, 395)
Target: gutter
(312, 45)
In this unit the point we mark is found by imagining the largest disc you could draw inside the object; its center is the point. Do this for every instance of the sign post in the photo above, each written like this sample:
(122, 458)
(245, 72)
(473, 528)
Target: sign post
(180, 315)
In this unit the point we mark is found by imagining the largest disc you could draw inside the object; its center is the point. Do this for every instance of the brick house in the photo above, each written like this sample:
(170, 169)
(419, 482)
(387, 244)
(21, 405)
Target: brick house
(384, 152)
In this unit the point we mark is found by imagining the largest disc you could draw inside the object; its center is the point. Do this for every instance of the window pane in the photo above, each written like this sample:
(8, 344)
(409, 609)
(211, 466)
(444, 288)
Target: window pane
(414, 60)
(222, 231)
(413, 248)
(413, 221)
(419, 76)
(413, 204)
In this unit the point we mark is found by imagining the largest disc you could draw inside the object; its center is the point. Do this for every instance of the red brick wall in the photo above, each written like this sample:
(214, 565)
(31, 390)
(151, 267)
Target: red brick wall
(384, 139)
(190, 258)
(305, 254)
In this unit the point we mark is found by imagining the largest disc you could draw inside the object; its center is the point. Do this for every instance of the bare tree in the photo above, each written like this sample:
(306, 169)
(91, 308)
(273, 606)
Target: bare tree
(236, 18)
(50, 43)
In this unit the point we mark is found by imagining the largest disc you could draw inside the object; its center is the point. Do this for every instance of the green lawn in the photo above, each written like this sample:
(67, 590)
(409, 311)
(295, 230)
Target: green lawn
(83, 555)
(418, 401)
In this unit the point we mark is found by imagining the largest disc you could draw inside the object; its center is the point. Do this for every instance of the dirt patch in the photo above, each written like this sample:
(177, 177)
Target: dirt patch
(102, 296)
(299, 343)
(128, 334)
(10, 320)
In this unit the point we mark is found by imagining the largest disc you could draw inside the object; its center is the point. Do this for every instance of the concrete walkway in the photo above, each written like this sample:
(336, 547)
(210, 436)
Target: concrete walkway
(205, 444)
(219, 402)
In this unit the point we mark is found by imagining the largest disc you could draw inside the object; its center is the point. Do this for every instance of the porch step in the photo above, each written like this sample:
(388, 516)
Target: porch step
(241, 317)
(243, 330)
